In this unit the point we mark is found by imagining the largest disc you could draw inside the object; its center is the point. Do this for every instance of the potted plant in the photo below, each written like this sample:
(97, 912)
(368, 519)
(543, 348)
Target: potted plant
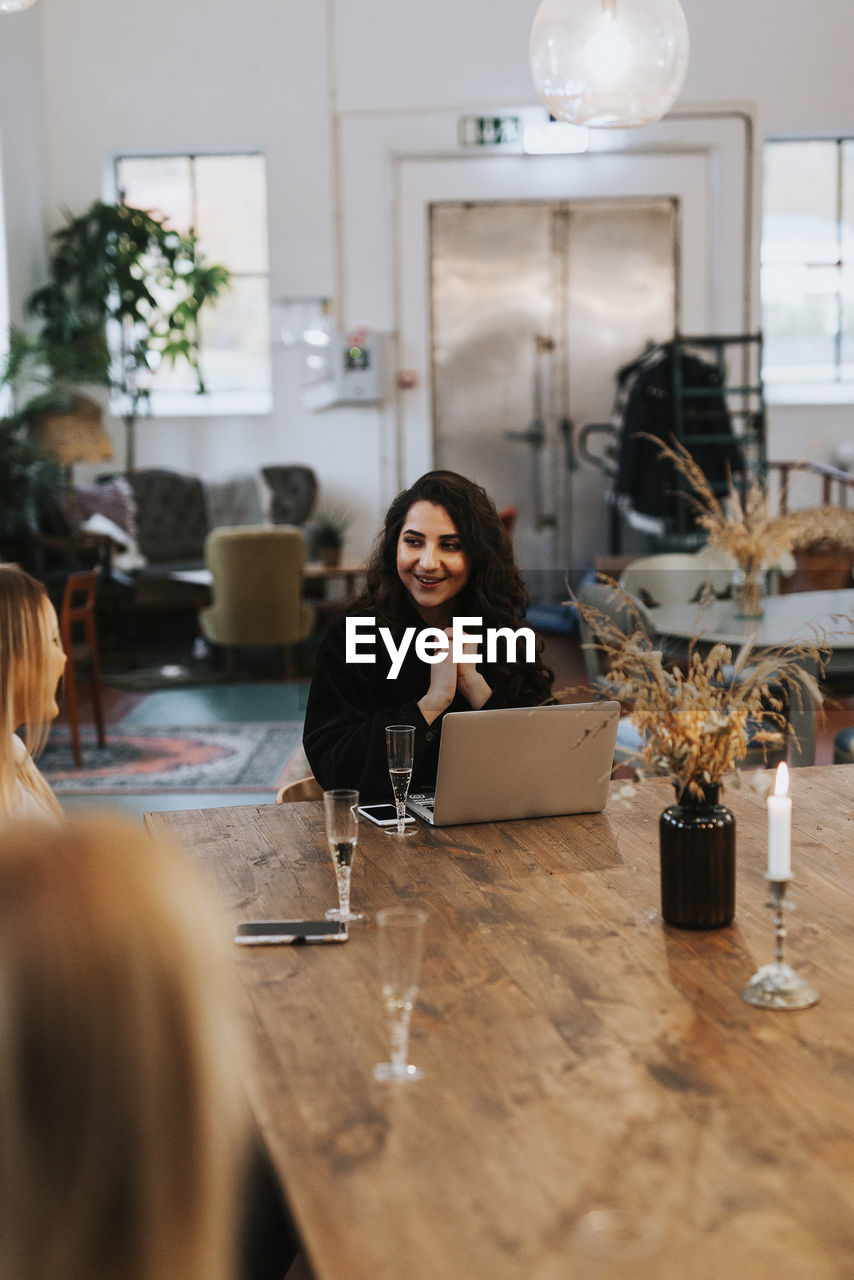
(31, 479)
(823, 546)
(124, 293)
(694, 726)
(327, 531)
(742, 526)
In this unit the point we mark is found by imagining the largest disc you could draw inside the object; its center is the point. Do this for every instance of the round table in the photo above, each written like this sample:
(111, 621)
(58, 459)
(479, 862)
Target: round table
(805, 617)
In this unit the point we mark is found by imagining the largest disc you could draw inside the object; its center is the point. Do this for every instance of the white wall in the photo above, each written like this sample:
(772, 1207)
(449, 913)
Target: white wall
(211, 73)
(22, 159)
(791, 57)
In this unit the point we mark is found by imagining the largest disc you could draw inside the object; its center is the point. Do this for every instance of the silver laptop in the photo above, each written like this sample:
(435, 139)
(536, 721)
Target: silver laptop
(526, 762)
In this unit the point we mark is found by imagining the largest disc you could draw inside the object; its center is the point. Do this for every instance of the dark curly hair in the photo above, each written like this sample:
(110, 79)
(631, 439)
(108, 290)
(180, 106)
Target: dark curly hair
(494, 592)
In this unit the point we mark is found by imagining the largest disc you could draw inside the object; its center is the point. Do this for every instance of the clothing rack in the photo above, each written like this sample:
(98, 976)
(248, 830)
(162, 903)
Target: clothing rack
(744, 400)
(704, 390)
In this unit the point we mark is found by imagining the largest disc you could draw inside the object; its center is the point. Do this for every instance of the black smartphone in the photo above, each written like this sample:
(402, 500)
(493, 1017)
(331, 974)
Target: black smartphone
(259, 932)
(382, 815)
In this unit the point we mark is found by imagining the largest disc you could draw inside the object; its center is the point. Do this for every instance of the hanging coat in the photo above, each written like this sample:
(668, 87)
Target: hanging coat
(648, 482)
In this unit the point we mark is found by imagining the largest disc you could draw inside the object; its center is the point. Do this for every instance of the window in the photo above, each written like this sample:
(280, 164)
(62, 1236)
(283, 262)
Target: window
(224, 199)
(808, 268)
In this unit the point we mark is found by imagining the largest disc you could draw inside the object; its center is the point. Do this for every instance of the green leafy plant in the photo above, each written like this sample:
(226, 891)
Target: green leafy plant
(124, 294)
(29, 479)
(329, 527)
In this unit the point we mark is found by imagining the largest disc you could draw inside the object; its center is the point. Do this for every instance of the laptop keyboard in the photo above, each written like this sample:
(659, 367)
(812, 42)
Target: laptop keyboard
(427, 799)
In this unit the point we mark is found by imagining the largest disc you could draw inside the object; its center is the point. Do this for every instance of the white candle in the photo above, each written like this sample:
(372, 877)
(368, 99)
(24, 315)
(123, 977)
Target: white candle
(780, 828)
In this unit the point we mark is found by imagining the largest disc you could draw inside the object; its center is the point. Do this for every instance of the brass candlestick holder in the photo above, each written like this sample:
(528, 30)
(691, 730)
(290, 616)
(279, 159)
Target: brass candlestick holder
(777, 985)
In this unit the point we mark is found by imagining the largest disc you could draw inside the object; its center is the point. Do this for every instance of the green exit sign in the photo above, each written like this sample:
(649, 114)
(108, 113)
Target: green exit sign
(488, 131)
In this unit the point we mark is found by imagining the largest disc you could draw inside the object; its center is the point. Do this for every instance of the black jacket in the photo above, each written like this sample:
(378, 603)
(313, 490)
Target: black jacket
(349, 707)
(651, 482)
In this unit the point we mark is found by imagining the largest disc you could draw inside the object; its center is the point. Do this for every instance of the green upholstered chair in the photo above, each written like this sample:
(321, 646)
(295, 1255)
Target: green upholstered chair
(256, 584)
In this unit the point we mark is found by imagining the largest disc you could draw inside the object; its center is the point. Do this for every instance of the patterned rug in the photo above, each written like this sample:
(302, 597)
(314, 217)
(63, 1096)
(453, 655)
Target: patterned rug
(239, 757)
(296, 768)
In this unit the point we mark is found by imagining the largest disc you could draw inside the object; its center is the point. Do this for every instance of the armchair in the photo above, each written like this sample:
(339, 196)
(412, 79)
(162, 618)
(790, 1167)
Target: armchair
(257, 580)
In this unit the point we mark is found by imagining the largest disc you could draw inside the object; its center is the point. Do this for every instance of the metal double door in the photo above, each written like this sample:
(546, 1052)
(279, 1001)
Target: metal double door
(535, 308)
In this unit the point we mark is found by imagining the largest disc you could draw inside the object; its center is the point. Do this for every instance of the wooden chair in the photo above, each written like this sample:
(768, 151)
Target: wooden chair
(303, 789)
(78, 607)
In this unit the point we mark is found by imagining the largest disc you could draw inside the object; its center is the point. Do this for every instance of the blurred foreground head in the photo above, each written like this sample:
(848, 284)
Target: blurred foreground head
(121, 1124)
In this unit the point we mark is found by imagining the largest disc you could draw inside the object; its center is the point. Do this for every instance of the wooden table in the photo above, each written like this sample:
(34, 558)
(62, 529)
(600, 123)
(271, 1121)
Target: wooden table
(811, 617)
(577, 1053)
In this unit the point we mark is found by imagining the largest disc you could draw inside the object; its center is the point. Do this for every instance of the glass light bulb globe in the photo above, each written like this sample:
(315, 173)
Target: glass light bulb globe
(15, 6)
(608, 54)
(609, 64)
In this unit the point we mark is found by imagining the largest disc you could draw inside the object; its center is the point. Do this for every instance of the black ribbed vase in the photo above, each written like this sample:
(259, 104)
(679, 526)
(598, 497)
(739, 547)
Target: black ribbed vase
(697, 844)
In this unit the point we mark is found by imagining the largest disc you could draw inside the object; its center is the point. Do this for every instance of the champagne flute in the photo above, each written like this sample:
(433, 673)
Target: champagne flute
(342, 832)
(400, 745)
(400, 935)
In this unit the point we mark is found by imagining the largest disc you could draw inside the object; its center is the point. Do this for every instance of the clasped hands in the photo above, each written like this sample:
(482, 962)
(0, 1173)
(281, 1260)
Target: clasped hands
(447, 678)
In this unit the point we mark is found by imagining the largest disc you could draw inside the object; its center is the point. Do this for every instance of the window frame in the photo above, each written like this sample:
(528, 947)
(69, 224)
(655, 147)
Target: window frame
(837, 390)
(166, 403)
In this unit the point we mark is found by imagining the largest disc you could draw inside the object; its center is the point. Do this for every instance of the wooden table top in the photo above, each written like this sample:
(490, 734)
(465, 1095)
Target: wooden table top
(577, 1053)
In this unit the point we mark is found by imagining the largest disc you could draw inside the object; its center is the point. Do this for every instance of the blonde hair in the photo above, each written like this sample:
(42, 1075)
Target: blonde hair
(25, 641)
(122, 1130)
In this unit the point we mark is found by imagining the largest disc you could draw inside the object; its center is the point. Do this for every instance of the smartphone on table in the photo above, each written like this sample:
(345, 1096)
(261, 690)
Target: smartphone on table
(382, 815)
(264, 932)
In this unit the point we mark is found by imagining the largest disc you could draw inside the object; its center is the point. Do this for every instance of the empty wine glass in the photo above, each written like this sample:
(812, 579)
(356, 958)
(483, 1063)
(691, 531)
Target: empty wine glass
(400, 934)
(400, 745)
(342, 832)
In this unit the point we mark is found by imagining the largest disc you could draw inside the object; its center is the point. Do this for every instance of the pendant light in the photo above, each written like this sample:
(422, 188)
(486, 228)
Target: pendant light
(609, 64)
(14, 6)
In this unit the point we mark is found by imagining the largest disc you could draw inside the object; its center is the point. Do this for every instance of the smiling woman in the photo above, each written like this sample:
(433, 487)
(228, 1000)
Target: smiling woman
(431, 562)
(442, 556)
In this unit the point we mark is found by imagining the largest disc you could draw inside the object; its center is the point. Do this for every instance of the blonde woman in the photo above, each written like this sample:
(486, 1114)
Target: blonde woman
(31, 664)
(123, 1137)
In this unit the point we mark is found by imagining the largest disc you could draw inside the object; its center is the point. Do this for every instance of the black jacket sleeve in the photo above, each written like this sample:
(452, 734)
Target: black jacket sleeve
(346, 718)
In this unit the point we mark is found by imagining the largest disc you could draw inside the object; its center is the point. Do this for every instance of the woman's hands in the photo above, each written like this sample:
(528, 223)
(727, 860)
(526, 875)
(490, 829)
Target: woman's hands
(472, 685)
(446, 678)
